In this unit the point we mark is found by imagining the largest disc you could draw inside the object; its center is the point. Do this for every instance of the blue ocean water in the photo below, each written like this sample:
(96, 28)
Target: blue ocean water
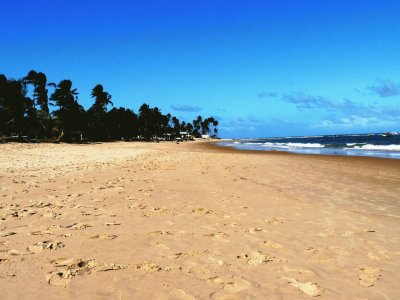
(386, 145)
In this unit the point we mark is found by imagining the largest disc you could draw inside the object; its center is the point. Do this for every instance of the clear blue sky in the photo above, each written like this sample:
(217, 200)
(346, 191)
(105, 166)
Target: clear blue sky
(263, 68)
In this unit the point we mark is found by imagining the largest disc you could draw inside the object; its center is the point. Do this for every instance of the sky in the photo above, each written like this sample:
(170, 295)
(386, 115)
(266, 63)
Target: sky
(262, 68)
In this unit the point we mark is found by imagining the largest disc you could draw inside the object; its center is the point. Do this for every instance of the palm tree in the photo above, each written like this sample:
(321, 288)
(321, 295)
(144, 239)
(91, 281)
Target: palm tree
(16, 109)
(144, 121)
(122, 124)
(70, 115)
(40, 97)
(21, 114)
(97, 114)
(205, 126)
(189, 128)
(215, 124)
(196, 126)
(102, 98)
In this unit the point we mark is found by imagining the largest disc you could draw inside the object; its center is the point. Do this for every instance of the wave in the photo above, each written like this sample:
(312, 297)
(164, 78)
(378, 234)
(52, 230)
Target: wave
(302, 145)
(345, 146)
(284, 145)
(357, 145)
(379, 147)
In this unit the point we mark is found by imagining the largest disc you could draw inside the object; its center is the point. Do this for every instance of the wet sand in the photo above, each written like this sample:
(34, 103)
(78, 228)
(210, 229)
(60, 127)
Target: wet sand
(195, 221)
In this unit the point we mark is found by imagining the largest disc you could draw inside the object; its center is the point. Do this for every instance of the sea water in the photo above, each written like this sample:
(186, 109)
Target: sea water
(386, 145)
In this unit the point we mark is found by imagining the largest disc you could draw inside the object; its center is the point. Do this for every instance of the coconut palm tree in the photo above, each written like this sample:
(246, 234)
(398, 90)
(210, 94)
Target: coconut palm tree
(197, 126)
(40, 98)
(70, 115)
(215, 125)
(16, 109)
(102, 98)
(98, 129)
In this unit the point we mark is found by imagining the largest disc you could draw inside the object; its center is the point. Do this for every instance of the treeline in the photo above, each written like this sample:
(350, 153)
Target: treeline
(27, 109)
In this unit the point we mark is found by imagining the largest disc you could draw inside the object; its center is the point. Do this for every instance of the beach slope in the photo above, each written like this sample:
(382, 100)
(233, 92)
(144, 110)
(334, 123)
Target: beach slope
(195, 221)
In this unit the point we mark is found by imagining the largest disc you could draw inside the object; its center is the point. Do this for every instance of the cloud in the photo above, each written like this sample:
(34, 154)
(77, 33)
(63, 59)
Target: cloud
(252, 123)
(267, 94)
(304, 101)
(345, 113)
(354, 121)
(187, 108)
(358, 91)
(386, 88)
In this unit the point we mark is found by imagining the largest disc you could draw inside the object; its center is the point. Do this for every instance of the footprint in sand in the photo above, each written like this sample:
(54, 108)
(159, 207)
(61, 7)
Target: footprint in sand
(180, 295)
(332, 253)
(105, 236)
(216, 261)
(161, 246)
(255, 258)
(159, 232)
(41, 232)
(112, 223)
(309, 288)
(221, 236)
(274, 221)
(51, 214)
(379, 255)
(14, 252)
(7, 233)
(233, 224)
(153, 267)
(68, 268)
(137, 205)
(273, 245)
(79, 226)
(181, 254)
(202, 210)
(255, 230)
(230, 285)
(368, 276)
(51, 245)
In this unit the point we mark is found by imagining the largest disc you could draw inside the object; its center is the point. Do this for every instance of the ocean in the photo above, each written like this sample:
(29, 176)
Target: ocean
(385, 145)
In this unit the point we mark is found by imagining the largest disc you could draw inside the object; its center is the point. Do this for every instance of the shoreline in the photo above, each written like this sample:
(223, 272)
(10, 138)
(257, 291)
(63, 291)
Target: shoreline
(370, 148)
(214, 145)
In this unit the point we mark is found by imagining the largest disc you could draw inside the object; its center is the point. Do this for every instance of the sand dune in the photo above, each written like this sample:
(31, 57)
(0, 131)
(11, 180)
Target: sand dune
(192, 221)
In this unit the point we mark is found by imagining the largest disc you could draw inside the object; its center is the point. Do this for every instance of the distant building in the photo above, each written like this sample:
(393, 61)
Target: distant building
(185, 136)
(205, 136)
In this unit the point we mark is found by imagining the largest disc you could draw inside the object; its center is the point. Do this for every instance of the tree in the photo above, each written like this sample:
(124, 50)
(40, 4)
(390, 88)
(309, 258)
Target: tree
(17, 109)
(176, 125)
(144, 122)
(24, 110)
(197, 126)
(40, 98)
(40, 91)
(70, 115)
(123, 124)
(97, 114)
(215, 125)
(189, 128)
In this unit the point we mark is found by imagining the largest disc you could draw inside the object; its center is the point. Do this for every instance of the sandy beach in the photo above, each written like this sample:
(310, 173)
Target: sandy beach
(194, 221)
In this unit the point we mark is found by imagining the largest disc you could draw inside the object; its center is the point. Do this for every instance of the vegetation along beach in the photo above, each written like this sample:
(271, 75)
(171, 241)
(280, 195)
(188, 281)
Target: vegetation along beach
(205, 149)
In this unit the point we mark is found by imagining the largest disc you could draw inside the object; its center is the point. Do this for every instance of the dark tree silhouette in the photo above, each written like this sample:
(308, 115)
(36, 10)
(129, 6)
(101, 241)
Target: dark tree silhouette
(17, 111)
(70, 117)
(98, 128)
(41, 99)
(123, 124)
(63, 118)
(197, 126)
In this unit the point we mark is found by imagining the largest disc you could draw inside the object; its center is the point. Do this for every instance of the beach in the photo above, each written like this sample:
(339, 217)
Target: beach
(195, 221)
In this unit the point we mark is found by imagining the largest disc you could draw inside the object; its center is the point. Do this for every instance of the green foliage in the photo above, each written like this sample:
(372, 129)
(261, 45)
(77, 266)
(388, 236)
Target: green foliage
(25, 111)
